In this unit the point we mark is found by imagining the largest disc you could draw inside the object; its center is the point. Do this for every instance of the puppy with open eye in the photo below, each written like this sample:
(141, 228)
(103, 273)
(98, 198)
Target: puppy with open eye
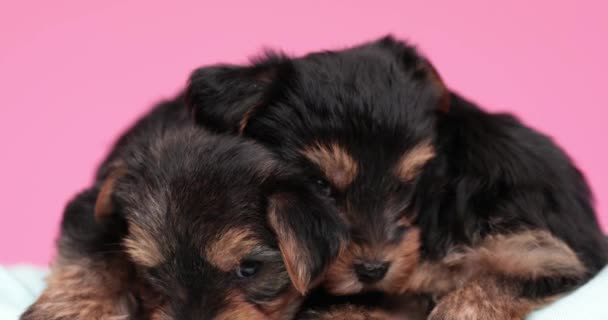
(189, 225)
(439, 196)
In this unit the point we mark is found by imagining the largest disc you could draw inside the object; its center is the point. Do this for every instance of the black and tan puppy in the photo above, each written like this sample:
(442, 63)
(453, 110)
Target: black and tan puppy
(486, 214)
(188, 225)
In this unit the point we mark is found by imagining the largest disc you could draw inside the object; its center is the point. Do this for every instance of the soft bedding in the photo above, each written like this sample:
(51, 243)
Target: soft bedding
(20, 285)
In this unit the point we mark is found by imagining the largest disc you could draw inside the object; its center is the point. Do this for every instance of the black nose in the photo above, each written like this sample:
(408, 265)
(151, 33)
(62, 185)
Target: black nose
(370, 272)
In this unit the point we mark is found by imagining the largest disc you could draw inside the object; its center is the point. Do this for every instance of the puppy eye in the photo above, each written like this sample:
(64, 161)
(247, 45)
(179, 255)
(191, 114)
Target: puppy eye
(401, 230)
(248, 269)
(324, 187)
(399, 233)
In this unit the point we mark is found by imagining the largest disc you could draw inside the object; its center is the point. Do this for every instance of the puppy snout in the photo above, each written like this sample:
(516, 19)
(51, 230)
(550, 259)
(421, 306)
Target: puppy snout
(370, 272)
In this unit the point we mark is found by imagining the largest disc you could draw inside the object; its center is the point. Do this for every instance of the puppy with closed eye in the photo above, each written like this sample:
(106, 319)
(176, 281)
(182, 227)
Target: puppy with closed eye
(184, 224)
(439, 196)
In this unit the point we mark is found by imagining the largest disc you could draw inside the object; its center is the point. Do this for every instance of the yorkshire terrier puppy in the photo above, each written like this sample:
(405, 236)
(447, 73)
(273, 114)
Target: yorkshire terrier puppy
(440, 197)
(183, 224)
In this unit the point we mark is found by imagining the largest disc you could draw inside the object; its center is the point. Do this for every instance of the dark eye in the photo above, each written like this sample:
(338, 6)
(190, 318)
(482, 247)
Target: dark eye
(401, 230)
(324, 187)
(248, 269)
(399, 233)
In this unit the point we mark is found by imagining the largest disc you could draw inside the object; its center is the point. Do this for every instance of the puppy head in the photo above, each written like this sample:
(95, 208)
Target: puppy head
(360, 122)
(217, 228)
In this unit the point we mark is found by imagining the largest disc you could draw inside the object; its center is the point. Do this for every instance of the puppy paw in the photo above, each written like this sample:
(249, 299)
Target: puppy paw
(50, 312)
(350, 312)
(476, 303)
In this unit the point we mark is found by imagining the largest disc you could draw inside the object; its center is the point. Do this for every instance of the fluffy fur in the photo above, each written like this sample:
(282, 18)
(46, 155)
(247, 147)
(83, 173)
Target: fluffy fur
(369, 306)
(183, 224)
(411, 165)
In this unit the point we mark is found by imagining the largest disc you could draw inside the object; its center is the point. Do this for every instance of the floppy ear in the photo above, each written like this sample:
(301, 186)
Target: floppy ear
(90, 277)
(437, 83)
(104, 206)
(223, 97)
(420, 69)
(91, 221)
(310, 235)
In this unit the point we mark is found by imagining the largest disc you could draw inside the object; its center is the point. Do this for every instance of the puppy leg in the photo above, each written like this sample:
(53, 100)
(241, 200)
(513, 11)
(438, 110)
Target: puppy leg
(83, 290)
(397, 307)
(514, 274)
(482, 300)
(352, 312)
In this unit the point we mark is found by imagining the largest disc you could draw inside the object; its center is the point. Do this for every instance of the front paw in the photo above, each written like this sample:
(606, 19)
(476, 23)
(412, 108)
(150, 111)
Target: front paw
(476, 303)
(32, 314)
(350, 312)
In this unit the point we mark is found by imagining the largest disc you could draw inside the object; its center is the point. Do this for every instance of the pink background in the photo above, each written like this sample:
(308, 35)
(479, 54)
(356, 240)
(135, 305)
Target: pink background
(73, 74)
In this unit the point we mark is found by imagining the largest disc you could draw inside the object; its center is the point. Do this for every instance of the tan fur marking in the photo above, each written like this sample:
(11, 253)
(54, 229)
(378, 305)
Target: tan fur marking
(404, 258)
(142, 246)
(437, 81)
(464, 281)
(483, 299)
(412, 162)
(341, 278)
(284, 306)
(528, 254)
(103, 204)
(245, 120)
(295, 260)
(263, 79)
(238, 308)
(82, 290)
(393, 308)
(405, 222)
(440, 277)
(352, 312)
(335, 162)
(160, 314)
(231, 246)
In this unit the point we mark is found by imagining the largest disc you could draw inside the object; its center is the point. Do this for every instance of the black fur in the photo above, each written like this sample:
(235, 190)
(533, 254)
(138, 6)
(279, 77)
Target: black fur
(494, 174)
(491, 174)
(185, 188)
(81, 234)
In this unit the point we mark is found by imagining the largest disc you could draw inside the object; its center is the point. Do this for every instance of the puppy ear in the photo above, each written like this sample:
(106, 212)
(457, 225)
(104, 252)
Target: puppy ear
(90, 278)
(223, 97)
(92, 222)
(310, 235)
(420, 69)
(437, 83)
(104, 206)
